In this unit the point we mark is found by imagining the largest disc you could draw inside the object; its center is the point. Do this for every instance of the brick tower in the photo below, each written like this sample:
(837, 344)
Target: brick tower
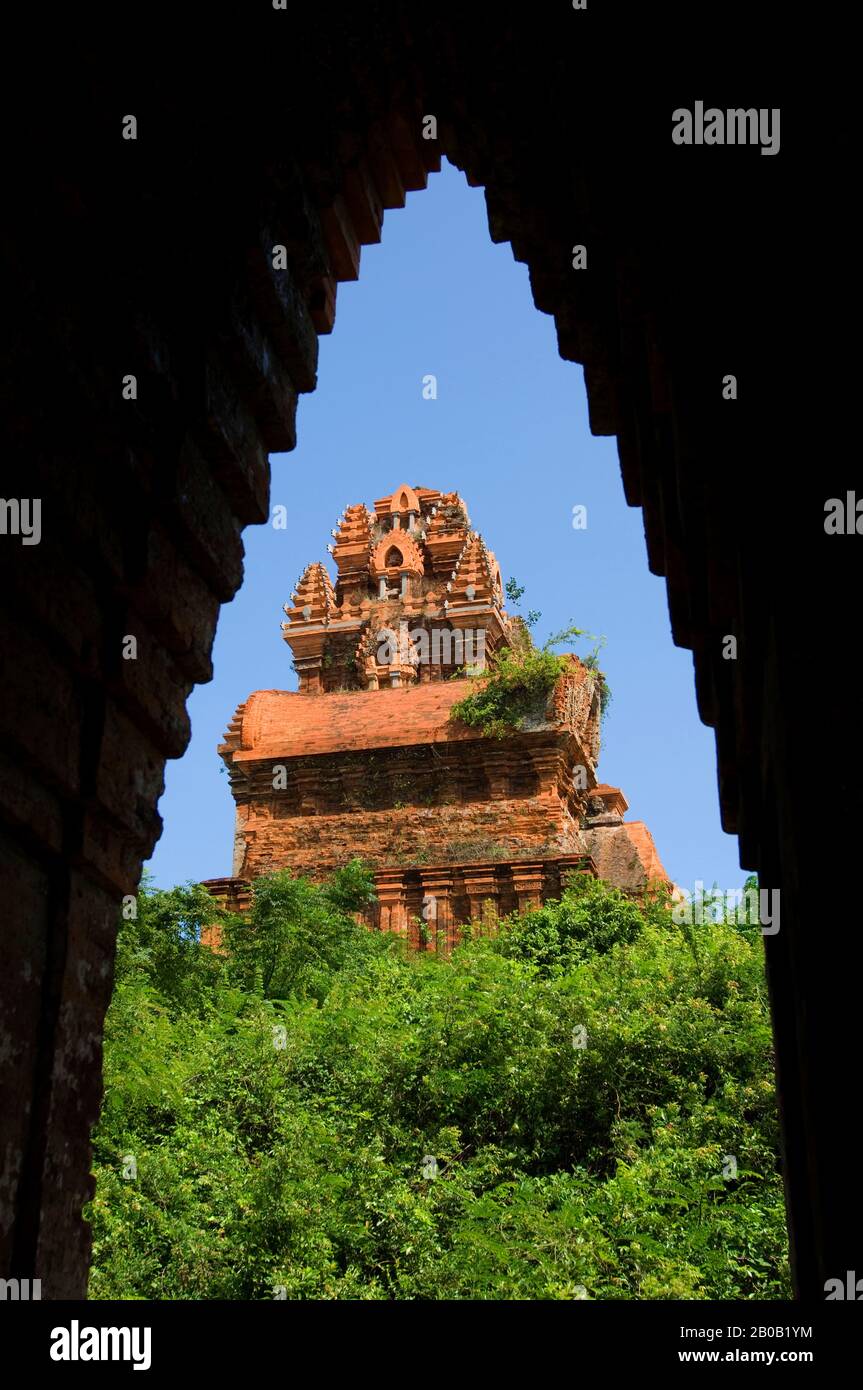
(365, 758)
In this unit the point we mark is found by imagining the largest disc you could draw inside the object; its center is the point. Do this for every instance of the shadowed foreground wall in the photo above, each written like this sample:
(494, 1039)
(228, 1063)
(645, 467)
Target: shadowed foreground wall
(154, 258)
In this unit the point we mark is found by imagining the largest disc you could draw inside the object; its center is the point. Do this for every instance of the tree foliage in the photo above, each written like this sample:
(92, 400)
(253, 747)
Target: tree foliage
(317, 1112)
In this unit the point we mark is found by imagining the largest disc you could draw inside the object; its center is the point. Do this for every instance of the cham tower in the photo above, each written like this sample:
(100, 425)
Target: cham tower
(366, 760)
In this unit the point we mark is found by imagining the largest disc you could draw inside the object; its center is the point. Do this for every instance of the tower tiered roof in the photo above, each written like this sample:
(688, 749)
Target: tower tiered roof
(413, 567)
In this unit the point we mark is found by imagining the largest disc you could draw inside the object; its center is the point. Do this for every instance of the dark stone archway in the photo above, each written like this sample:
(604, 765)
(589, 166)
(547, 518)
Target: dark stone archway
(154, 258)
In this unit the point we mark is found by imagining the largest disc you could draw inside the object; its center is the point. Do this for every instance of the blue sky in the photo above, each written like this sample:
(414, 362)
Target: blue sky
(509, 431)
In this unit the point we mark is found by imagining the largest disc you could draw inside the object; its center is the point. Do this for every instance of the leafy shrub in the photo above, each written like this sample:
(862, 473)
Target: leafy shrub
(590, 918)
(518, 688)
(521, 677)
(281, 1102)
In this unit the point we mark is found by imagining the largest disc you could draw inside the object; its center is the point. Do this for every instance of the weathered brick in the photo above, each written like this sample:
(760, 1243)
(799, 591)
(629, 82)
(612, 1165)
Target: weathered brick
(188, 628)
(261, 375)
(211, 529)
(130, 777)
(43, 703)
(284, 313)
(26, 887)
(28, 805)
(153, 689)
(237, 453)
(74, 1086)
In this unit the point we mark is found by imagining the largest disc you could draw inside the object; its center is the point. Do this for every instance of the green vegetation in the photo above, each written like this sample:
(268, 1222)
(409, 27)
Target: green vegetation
(514, 592)
(586, 1082)
(516, 689)
(521, 677)
(519, 681)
